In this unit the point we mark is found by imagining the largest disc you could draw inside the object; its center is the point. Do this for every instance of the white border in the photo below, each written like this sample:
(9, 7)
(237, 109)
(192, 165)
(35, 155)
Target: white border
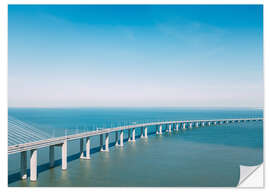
(4, 97)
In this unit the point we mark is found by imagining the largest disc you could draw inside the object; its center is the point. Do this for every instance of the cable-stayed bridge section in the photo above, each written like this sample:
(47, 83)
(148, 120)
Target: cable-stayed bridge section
(20, 132)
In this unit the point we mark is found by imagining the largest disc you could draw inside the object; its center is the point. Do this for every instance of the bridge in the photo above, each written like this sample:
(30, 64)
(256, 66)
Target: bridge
(62, 142)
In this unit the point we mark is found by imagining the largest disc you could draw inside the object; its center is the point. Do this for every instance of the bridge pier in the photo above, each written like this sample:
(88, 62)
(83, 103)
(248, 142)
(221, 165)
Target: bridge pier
(209, 123)
(23, 165)
(64, 155)
(160, 129)
(170, 128)
(33, 165)
(157, 130)
(184, 126)
(145, 132)
(197, 124)
(190, 125)
(101, 142)
(87, 148)
(129, 135)
(116, 138)
(81, 148)
(176, 127)
(121, 138)
(133, 135)
(215, 123)
(202, 124)
(141, 135)
(106, 142)
(51, 155)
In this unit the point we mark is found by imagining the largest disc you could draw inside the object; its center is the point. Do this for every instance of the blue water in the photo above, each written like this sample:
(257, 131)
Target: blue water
(208, 156)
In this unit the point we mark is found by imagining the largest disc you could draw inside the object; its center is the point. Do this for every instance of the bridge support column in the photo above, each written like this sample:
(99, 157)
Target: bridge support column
(87, 148)
(170, 128)
(157, 130)
(197, 124)
(133, 134)
(129, 135)
(141, 136)
(121, 138)
(145, 132)
(160, 129)
(81, 148)
(23, 165)
(33, 165)
(215, 123)
(101, 142)
(106, 142)
(209, 123)
(116, 138)
(176, 127)
(202, 124)
(64, 155)
(184, 126)
(190, 125)
(51, 156)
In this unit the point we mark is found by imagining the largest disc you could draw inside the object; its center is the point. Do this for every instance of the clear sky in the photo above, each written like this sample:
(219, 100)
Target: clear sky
(82, 56)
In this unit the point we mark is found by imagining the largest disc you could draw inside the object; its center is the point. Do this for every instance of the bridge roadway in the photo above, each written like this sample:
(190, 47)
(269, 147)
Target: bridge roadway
(62, 141)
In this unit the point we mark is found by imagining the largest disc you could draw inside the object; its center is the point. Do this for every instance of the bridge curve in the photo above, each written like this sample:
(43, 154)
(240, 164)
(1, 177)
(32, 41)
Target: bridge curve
(62, 141)
(45, 140)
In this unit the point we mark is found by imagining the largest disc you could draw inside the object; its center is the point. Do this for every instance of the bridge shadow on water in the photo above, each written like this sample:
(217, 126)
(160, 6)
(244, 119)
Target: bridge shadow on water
(46, 166)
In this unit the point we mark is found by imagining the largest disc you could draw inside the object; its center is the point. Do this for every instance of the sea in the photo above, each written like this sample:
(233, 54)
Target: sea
(207, 156)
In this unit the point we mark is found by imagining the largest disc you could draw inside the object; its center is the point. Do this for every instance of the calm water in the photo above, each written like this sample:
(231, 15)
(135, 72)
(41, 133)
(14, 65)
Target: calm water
(208, 156)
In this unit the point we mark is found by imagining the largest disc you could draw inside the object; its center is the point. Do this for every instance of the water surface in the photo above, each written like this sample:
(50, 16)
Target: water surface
(208, 156)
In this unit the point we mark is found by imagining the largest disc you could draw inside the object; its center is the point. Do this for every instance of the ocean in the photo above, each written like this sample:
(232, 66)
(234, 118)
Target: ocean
(207, 156)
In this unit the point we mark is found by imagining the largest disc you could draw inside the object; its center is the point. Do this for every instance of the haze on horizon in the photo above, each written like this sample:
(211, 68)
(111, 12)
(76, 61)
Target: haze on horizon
(119, 55)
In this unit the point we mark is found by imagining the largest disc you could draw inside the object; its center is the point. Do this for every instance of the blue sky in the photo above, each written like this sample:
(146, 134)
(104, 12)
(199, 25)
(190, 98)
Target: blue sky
(143, 55)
